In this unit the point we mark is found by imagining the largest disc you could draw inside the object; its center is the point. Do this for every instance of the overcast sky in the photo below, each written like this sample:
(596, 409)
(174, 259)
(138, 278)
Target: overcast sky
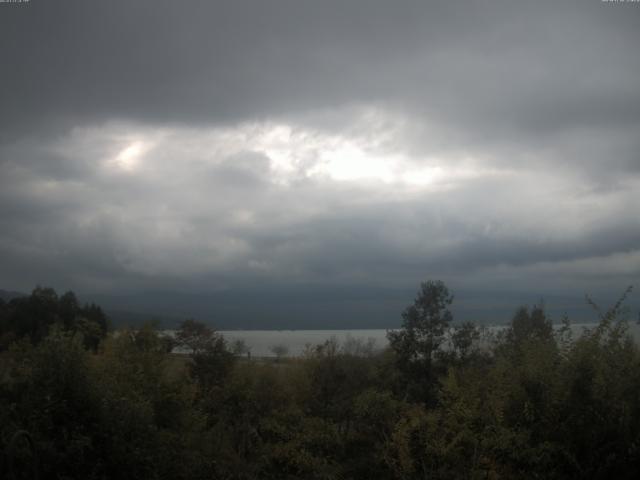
(207, 146)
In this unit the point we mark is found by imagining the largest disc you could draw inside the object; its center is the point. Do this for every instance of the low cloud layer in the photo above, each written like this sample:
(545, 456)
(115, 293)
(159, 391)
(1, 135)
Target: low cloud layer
(229, 146)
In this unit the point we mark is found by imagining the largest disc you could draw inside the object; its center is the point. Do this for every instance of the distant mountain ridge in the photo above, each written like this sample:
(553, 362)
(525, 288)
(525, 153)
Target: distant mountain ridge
(321, 310)
(117, 317)
(313, 309)
(7, 295)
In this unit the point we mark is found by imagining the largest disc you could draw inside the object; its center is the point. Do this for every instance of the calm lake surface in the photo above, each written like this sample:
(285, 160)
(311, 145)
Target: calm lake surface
(260, 342)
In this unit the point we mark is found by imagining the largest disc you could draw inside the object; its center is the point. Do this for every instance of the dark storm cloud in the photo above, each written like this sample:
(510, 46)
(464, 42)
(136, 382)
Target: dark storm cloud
(539, 66)
(161, 145)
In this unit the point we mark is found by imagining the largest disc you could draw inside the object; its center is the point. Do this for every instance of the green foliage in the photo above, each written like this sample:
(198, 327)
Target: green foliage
(464, 338)
(529, 325)
(148, 400)
(211, 359)
(34, 316)
(440, 403)
(194, 336)
(51, 396)
(418, 344)
(211, 366)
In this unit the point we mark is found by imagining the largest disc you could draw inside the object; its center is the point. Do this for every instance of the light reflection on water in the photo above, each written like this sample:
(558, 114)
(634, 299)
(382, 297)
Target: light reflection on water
(260, 342)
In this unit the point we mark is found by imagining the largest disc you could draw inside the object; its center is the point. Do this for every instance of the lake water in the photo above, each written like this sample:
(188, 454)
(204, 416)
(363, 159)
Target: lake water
(260, 342)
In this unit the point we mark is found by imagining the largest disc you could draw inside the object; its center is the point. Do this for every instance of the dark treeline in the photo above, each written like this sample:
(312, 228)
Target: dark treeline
(531, 402)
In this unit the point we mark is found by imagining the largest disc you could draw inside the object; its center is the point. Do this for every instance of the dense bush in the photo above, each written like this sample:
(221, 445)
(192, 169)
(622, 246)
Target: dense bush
(441, 402)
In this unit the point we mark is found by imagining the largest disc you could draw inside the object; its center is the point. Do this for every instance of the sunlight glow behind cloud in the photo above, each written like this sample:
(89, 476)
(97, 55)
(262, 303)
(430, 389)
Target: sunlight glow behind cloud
(293, 152)
(129, 158)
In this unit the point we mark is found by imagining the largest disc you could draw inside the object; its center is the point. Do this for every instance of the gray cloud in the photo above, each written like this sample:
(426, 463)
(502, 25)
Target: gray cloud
(328, 145)
(544, 66)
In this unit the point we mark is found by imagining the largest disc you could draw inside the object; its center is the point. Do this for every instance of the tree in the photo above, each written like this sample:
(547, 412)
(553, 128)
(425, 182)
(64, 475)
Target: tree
(463, 338)
(239, 347)
(211, 360)
(92, 323)
(57, 404)
(194, 336)
(68, 309)
(279, 351)
(35, 315)
(530, 325)
(212, 364)
(417, 343)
